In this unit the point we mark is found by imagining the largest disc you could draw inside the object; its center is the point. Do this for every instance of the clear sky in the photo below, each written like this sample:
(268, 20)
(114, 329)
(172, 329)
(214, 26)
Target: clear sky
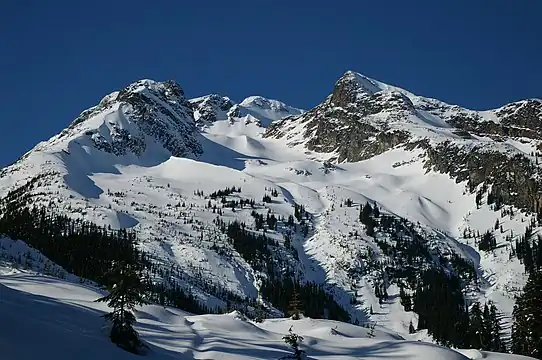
(60, 57)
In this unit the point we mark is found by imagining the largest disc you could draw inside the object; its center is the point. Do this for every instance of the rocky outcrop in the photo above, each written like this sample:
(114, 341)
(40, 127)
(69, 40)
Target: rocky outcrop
(344, 122)
(158, 110)
(207, 109)
(168, 120)
(519, 119)
(514, 179)
(122, 142)
(362, 118)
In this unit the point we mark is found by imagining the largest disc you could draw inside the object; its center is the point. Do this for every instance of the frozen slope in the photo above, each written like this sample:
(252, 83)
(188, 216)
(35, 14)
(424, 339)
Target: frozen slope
(235, 155)
(61, 321)
(431, 199)
(146, 163)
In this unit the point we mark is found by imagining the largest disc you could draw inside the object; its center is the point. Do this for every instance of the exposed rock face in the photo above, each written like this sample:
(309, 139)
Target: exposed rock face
(362, 118)
(344, 122)
(143, 109)
(207, 109)
(122, 142)
(527, 113)
(519, 119)
(254, 109)
(513, 178)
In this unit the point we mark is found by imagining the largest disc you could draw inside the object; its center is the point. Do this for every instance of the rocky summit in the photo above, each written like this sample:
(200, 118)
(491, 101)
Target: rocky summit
(363, 118)
(371, 207)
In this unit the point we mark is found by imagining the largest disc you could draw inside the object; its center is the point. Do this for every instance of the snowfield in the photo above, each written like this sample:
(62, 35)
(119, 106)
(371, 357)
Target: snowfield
(49, 318)
(160, 196)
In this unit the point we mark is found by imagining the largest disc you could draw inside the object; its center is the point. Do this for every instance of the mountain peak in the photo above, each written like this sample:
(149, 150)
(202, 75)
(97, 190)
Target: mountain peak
(264, 103)
(364, 82)
(168, 88)
(147, 119)
(361, 109)
(210, 108)
(266, 110)
(352, 87)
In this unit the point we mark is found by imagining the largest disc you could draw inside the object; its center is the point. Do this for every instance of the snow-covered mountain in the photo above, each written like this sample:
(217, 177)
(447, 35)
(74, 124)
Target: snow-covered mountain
(361, 110)
(177, 169)
(260, 110)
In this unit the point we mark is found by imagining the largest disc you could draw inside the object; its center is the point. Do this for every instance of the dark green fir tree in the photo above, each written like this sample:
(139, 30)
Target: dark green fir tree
(125, 293)
(527, 327)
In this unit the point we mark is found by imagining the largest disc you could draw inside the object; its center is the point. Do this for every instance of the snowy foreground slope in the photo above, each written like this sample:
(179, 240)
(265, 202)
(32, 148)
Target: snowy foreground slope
(47, 318)
(149, 159)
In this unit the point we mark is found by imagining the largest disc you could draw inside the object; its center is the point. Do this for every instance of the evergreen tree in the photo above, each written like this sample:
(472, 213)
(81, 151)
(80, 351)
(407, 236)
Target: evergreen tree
(316, 302)
(527, 327)
(476, 326)
(365, 213)
(376, 211)
(93, 252)
(478, 199)
(411, 329)
(528, 260)
(295, 306)
(486, 334)
(440, 306)
(487, 242)
(406, 301)
(496, 329)
(294, 340)
(126, 291)
(371, 333)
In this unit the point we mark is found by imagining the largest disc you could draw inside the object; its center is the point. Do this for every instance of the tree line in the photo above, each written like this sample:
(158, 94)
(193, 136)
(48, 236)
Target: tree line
(430, 284)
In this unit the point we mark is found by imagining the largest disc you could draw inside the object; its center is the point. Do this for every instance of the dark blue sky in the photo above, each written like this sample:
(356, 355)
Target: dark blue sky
(60, 57)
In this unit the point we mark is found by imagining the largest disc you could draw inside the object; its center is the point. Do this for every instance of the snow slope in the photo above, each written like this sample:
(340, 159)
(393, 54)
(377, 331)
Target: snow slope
(48, 318)
(156, 187)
